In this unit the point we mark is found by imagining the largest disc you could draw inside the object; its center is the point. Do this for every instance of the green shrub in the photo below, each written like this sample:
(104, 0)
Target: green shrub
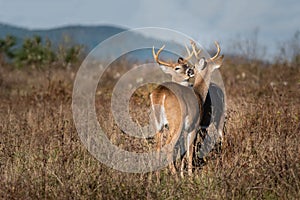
(34, 53)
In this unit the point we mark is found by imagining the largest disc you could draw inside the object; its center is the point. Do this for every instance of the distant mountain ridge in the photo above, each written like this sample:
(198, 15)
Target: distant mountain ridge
(89, 36)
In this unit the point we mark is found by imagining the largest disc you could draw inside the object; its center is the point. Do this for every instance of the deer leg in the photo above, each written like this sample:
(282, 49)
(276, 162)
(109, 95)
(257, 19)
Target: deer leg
(158, 139)
(183, 153)
(171, 153)
(189, 154)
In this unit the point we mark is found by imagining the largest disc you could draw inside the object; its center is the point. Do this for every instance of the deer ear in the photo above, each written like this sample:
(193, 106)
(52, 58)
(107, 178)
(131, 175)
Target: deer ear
(218, 62)
(201, 64)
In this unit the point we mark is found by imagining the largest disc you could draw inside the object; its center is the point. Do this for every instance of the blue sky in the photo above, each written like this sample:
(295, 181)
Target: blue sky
(275, 20)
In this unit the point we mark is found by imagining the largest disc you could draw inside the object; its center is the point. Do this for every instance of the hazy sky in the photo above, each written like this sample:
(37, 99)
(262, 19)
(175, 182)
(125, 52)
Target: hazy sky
(276, 20)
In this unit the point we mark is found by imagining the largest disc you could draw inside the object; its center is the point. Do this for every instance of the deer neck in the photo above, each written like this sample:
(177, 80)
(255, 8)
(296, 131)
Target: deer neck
(201, 85)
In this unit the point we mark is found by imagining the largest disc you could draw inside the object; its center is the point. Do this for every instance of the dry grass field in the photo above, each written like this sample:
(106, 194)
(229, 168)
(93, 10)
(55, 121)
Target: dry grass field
(41, 155)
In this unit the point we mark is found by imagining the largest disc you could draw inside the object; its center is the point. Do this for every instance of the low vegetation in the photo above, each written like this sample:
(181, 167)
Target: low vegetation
(41, 155)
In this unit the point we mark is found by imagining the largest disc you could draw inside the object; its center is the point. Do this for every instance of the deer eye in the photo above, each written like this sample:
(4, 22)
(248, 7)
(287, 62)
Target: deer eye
(177, 68)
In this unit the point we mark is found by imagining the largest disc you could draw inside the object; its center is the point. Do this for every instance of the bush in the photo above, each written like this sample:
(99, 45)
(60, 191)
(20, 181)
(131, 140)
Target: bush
(36, 53)
(6, 45)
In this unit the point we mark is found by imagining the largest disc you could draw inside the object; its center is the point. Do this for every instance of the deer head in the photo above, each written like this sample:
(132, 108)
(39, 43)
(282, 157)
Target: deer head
(181, 72)
(204, 68)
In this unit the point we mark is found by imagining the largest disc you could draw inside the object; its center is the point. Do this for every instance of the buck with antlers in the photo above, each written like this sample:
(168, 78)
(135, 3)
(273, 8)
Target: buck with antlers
(213, 119)
(180, 107)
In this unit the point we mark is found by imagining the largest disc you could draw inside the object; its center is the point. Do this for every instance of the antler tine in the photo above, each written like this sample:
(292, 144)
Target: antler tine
(187, 49)
(155, 56)
(218, 52)
(189, 52)
(195, 49)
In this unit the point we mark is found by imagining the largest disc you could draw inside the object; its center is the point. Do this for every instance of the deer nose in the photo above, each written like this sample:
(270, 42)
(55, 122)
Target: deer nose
(190, 72)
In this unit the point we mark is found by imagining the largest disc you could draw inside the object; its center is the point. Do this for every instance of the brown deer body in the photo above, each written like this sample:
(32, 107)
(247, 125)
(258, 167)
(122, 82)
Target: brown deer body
(178, 110)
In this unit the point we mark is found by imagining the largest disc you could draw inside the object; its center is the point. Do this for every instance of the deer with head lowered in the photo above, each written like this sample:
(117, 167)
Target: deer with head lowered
(181, 108)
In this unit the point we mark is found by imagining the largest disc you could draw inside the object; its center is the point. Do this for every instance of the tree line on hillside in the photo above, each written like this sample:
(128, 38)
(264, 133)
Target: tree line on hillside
(36, 53)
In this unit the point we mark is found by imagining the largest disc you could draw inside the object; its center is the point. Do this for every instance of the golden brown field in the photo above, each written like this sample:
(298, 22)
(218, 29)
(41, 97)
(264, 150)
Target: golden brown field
(41, 155)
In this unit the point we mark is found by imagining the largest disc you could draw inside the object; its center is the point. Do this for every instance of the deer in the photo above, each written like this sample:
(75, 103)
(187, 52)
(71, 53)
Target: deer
(213, 119)
(182, 112)
(163, 98)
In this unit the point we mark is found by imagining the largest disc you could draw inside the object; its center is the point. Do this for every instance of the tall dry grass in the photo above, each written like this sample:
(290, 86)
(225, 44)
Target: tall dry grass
(41, 155)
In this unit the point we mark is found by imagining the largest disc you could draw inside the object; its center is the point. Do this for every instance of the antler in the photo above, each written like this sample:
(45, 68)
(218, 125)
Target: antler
(155, 56)
(218, 52)
(196, 51)
(190, 55)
